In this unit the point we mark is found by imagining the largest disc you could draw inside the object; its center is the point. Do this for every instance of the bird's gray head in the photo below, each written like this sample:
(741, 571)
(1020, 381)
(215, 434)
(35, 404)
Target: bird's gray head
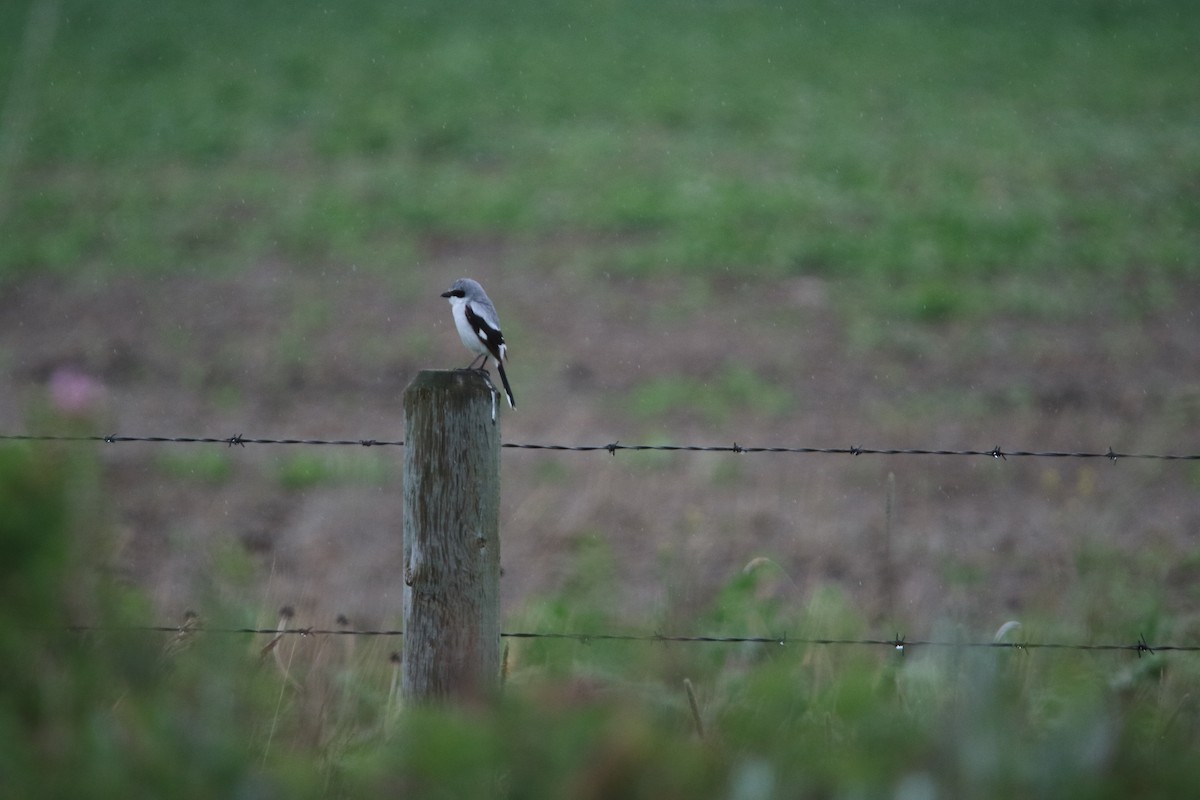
(464, 289)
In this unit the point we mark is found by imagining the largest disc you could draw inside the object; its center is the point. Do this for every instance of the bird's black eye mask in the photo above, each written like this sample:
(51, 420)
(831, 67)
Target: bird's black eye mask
(454, 293)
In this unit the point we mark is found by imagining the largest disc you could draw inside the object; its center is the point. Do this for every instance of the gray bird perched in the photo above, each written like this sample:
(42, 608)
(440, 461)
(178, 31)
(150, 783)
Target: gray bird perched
(479, 327)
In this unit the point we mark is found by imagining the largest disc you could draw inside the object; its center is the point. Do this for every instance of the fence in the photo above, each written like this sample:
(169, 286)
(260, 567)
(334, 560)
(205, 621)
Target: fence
(615, 447)
(897, 643)
(452, 620)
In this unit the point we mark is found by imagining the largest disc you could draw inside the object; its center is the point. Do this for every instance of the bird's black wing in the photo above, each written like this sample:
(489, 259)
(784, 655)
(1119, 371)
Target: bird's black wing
(491, 337)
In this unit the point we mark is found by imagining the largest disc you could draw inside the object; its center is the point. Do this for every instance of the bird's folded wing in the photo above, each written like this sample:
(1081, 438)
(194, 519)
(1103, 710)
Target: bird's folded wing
(487, 332)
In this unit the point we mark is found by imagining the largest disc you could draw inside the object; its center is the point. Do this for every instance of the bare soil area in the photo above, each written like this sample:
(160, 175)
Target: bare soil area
(274, 352)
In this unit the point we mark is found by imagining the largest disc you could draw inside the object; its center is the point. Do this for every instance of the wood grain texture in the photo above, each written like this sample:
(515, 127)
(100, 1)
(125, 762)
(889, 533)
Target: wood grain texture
(451, 538)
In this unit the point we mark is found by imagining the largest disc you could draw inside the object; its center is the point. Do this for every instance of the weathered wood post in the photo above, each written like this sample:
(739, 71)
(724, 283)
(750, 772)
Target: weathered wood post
(451, 538)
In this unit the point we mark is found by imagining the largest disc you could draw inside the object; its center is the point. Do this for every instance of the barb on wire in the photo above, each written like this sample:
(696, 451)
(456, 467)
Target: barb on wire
(897, 642)
(997, 452)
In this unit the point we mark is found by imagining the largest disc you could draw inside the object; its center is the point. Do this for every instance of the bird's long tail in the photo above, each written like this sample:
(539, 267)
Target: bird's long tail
(507, 388)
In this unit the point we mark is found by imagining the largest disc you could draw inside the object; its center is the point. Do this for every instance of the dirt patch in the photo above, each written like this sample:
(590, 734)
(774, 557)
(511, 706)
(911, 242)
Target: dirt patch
(279, 353)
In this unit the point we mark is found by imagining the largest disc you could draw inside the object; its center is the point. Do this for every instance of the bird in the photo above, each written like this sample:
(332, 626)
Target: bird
(479, 327)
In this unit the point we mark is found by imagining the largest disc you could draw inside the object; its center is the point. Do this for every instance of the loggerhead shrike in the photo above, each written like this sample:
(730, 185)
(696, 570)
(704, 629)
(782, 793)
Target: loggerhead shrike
(479, 327)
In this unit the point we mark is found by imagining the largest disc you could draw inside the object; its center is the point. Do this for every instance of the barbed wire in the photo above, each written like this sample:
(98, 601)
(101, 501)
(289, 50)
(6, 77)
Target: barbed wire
(997, 452)
(897, 642)
(231, 441)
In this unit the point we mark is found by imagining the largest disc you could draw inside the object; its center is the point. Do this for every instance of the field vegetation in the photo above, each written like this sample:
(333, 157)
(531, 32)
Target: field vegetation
(942, 223)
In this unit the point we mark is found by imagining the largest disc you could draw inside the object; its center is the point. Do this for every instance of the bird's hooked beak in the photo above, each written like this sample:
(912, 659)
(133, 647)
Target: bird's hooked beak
(447, 294)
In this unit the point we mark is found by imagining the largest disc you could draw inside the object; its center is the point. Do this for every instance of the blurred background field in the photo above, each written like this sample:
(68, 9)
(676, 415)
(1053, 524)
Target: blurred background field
(932, 224)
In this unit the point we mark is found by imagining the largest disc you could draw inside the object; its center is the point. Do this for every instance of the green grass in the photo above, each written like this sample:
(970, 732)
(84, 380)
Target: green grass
(920, 152)
(935, 160)
(121, 711)
(731, 391)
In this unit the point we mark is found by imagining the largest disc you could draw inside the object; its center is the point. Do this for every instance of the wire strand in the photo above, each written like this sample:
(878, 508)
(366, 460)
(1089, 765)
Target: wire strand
(997, 452)
(898, 642)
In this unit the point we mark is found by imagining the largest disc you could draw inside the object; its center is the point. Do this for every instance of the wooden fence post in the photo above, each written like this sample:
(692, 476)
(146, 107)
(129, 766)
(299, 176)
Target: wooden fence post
(451, 538)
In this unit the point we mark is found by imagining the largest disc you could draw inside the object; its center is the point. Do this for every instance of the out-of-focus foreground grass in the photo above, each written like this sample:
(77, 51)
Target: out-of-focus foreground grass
(923, 154)
(121, 712)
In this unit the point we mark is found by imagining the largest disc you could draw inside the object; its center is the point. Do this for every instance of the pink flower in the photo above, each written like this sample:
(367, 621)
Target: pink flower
(74, 392)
